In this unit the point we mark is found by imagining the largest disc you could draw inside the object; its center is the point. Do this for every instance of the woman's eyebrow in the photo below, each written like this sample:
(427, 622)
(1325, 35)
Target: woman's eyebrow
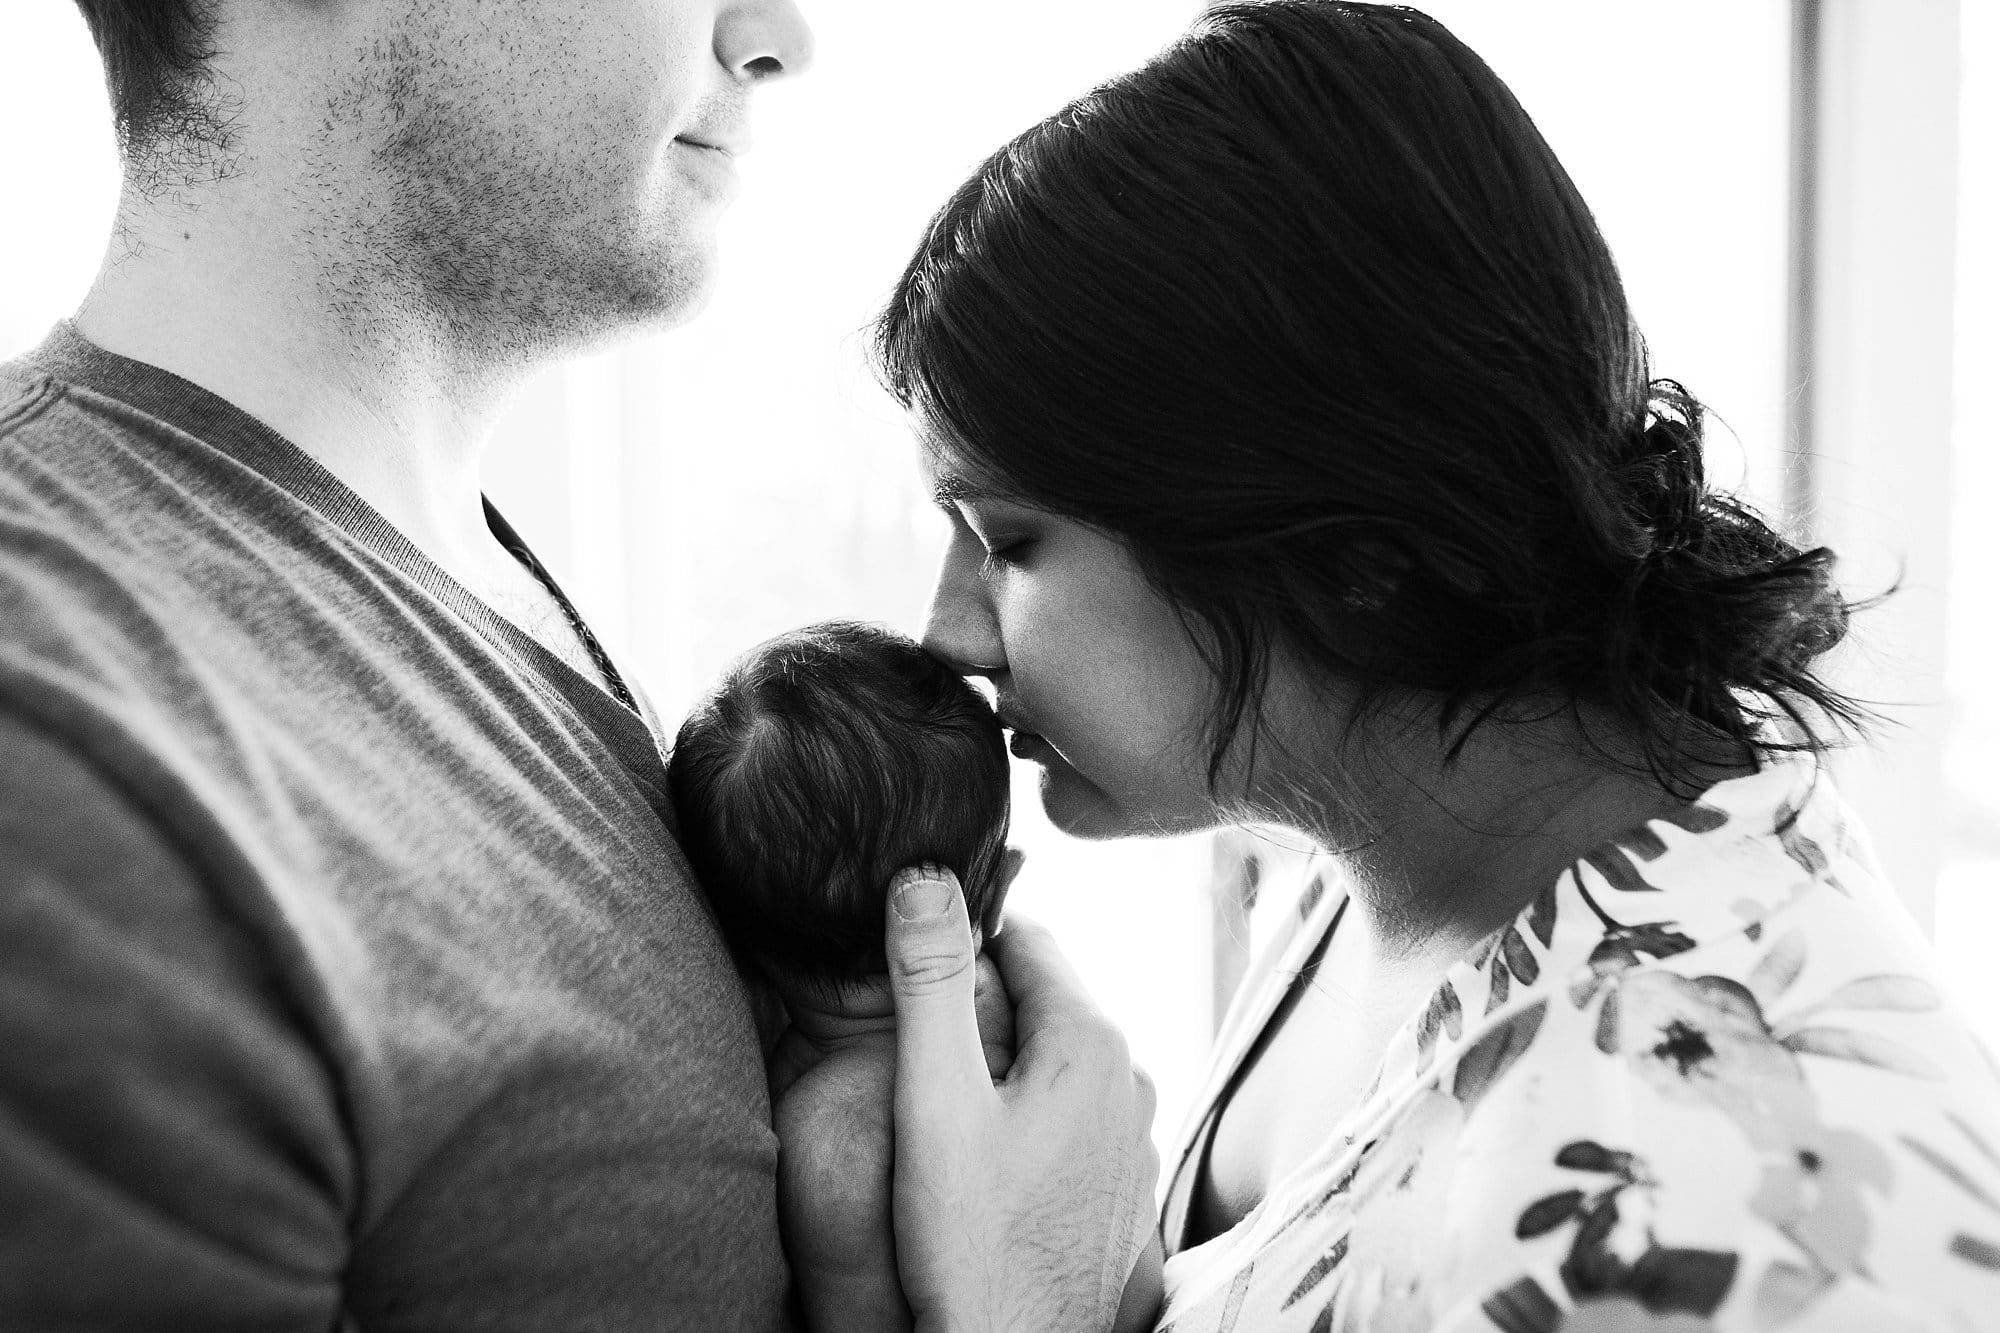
(949, 490)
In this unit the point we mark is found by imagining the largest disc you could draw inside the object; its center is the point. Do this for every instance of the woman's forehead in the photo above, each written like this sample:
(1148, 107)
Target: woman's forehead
(945, 467)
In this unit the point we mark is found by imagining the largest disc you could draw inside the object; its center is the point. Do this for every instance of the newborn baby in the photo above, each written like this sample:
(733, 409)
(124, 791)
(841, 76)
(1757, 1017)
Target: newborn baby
(823, 762)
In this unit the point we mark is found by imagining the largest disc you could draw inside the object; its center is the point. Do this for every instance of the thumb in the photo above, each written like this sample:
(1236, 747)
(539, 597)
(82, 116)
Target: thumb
(932, 976)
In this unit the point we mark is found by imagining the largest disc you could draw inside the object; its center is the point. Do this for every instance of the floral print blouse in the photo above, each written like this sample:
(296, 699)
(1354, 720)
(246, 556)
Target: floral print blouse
(1705, 1082)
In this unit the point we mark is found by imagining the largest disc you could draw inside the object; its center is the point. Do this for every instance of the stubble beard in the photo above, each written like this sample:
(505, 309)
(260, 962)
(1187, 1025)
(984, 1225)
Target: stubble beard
(453, 241)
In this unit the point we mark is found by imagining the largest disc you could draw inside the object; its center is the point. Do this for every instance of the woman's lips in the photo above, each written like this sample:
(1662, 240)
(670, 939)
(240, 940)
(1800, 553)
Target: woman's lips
(1021, 741)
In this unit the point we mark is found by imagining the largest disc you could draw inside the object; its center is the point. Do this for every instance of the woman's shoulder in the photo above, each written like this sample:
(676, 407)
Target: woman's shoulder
(1745, 1095)
(1709, 1075)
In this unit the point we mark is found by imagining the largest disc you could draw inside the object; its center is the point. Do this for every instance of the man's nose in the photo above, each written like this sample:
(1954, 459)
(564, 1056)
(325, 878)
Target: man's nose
(761, 40)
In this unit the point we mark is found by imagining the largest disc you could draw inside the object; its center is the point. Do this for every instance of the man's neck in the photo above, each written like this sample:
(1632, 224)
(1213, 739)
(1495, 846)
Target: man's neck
(230, 295)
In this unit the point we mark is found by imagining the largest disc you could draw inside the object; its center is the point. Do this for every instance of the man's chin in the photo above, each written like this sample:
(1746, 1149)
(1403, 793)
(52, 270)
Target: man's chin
(666, 292)
(616, 297)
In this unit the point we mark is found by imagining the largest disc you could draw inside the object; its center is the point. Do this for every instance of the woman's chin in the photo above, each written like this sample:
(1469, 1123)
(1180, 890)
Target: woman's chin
(1092, 823)
(1083, 810)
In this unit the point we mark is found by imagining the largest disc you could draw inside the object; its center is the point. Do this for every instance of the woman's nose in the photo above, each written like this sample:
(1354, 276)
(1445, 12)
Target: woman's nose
(959, 627)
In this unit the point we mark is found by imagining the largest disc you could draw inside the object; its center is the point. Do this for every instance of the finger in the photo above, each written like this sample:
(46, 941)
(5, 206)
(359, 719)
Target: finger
(1011, 862)
(1058, 1029)
(996, 1018)
(1044, 987)
(1148, 1096)
(939, 1062)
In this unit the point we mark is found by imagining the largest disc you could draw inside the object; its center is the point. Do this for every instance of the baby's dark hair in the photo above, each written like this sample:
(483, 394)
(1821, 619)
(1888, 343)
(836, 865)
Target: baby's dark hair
(823, 762)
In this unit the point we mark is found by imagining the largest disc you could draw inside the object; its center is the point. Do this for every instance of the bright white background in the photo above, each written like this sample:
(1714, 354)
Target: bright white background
(707, 488)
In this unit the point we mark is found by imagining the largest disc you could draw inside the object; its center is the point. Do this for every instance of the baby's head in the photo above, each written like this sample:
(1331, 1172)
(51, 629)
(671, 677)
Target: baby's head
(822, 763)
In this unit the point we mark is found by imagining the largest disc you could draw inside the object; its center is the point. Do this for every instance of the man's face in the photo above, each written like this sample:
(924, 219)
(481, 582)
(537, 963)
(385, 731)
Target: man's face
(552, 171)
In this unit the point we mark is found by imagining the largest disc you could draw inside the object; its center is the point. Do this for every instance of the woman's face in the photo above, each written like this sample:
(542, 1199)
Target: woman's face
(1098, 681)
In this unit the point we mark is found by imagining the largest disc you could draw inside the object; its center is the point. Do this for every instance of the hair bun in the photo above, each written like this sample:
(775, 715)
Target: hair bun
(1716, 595)
(1672, 483)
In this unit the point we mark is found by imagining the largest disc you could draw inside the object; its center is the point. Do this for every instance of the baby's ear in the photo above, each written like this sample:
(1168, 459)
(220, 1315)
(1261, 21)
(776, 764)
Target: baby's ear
(1011, 862)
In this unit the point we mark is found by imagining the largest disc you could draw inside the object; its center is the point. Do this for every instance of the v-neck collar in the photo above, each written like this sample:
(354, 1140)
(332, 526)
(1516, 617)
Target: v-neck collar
(67, 356)
(1273, 977)
(1654, 872)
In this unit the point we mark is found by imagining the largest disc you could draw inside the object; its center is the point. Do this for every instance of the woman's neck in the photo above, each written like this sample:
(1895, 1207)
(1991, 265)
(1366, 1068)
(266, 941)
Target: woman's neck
(1442, 854)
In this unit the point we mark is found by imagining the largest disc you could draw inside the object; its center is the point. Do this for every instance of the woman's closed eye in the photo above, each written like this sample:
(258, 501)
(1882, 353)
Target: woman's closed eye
(1004, 552)
(1005, 545)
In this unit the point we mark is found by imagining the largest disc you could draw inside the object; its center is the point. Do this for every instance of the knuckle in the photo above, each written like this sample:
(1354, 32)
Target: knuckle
(1025, 931)
(1088, 1043)
(992, 987)
(930, 969)
(1149, 1093)
(1107, 1044)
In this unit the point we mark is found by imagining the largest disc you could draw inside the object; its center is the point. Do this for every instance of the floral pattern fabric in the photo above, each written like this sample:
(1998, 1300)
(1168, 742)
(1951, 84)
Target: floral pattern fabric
(1707, 1081)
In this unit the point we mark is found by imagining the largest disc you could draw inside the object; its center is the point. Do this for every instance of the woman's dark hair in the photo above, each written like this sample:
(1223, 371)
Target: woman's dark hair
(156, 55)
(1306, 312)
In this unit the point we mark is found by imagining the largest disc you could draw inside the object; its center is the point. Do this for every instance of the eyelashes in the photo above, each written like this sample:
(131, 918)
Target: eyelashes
(999, 551)
(1005, 554)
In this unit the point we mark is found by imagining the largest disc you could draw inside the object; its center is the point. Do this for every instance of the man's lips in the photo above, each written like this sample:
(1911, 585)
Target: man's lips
(728, 145)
